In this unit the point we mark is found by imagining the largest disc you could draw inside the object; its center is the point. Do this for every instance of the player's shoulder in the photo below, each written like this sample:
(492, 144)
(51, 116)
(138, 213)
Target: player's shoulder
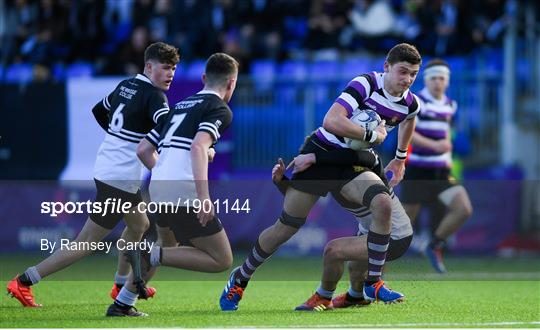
(369, 77)
(451, 102)
(213, 101)
(140, 84)
(412, 100)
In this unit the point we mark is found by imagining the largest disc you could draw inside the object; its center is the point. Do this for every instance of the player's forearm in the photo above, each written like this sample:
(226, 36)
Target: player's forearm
(199, 164)
(147, 154)
(405, 133)
(149, 159)
(336, 122)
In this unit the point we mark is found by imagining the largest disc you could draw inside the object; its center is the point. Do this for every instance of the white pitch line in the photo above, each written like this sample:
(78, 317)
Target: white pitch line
(426, 324)
(465, 276)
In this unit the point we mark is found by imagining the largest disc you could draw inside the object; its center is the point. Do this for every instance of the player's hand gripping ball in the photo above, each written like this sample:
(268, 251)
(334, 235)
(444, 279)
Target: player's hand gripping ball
(368, 119)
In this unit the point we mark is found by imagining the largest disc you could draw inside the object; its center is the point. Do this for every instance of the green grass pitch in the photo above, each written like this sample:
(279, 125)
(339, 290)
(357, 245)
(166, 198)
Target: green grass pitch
(476, 293)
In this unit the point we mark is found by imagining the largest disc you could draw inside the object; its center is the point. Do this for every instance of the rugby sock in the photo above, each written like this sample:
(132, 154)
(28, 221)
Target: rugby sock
(377, 248)
(155, 256)
(436, 243)
(256, 258)
(126, 298)
(120, 280)
(353, 295)
(325, 293)
(30, 276)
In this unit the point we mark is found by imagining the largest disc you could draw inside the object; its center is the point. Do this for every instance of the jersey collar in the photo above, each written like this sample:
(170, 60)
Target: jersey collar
(143, 78)
(425, 92)
(209, 91)
(393, 98)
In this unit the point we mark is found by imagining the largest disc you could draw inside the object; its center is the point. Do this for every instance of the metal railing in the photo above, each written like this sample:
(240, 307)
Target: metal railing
(273, 116)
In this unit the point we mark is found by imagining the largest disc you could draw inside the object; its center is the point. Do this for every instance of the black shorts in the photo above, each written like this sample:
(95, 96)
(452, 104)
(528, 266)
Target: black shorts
(106, 192)
(320, 179)
(397, 247)
(186, 226)
(423, 185)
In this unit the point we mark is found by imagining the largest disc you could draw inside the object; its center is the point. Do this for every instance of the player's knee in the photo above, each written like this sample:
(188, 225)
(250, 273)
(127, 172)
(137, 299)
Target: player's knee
(464, 211)
(225, 263)
(139, 228)
(332, 251)
(381, 204)
(291, 221)
(222, 262)
(374, 192)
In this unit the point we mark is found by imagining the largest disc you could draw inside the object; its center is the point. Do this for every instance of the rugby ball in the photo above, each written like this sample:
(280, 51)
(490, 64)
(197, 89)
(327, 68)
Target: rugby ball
(368, 119)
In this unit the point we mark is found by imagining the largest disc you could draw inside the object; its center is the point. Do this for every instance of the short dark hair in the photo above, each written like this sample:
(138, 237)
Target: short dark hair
(437, 61)
(219, 68)
(162, 52)
(404, 53)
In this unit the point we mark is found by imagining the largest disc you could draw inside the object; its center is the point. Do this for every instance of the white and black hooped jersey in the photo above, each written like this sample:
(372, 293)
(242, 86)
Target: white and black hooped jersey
(367, 92)
(202, 112)
(132, 110)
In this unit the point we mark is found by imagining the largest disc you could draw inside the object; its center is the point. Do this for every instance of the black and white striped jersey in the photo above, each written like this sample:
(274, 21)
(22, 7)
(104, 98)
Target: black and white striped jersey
(202, 112)
(172, 177)
(128, 114)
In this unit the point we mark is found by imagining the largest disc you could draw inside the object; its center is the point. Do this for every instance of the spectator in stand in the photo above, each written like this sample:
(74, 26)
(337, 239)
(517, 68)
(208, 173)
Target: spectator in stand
(129, 59)
(327, 18)
(370, 20)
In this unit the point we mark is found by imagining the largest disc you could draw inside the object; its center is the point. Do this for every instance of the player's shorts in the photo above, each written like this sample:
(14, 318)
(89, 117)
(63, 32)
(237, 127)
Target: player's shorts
(184, 224)
(106, 192)
(423, 185)
(320, 179)
(396, 247)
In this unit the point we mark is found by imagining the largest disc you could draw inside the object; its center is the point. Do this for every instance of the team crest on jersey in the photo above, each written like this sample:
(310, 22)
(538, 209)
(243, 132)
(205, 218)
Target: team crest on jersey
(358, 169)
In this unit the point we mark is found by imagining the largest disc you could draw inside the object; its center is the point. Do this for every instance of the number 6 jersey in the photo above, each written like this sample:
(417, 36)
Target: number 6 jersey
(127, 115)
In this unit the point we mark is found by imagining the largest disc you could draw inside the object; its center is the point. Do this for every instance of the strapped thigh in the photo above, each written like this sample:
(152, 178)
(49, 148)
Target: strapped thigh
(291, 221)
(373, 191)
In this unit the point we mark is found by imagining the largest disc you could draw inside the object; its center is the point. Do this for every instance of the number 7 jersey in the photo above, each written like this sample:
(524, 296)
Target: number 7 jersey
(132, 110)
(172, 177)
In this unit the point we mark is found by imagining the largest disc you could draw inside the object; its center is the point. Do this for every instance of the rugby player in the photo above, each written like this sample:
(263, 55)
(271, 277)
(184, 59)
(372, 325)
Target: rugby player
(388, 94)
(177, 152)
(428, 176)
(127, 114)
(351, 249)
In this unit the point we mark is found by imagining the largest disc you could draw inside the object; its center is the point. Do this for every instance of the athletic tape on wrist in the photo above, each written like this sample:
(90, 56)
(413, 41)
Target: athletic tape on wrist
(401, 154)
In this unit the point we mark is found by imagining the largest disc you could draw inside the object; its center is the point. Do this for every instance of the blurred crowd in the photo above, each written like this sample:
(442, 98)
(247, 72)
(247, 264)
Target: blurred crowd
(113, 34)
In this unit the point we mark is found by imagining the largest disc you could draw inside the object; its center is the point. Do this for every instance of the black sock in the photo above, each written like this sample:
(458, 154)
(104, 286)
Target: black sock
(350, 298)
(240, 282)
(122, 305)
(436, 243)
(25, 279)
